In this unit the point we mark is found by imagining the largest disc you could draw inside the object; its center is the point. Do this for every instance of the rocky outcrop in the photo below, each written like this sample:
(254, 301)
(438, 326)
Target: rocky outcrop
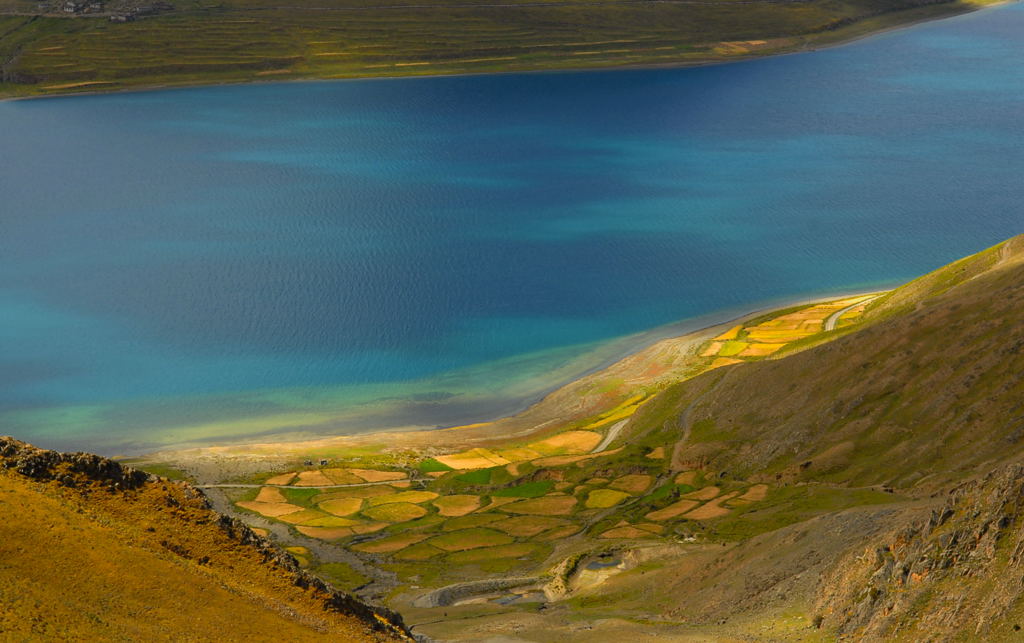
(958, 574)
(67, 468)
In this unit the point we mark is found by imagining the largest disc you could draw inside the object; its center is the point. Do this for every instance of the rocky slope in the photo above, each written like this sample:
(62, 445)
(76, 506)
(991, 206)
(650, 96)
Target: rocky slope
(956, 575)
(91, 550)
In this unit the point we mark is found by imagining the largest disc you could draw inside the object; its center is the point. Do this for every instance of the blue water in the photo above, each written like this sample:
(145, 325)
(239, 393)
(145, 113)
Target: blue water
(174, 264)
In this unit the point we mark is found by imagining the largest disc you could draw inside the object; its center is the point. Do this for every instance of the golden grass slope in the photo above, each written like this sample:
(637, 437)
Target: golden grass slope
(85, 563)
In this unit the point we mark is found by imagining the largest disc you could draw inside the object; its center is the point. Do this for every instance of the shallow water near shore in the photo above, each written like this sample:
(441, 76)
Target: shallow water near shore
(216, 263)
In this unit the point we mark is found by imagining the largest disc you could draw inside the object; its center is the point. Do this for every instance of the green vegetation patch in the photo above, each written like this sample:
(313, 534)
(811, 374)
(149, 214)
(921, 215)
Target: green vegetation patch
(789, 505)
(732, 348)
(423, 551)
(469, 539)
(526, 490)
(604, 498)
(342, 576)
(516, 550)
(395, 512)
(161, 469)
(430, 465)
(477, 476)
(414, 497)
(330, 521)
(301, 497)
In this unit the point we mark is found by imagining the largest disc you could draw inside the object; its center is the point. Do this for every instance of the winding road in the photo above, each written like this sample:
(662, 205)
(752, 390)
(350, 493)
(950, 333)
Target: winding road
(833, 319)
(612, 434)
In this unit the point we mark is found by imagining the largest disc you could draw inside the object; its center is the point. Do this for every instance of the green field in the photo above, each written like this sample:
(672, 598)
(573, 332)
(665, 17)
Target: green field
(203, 42)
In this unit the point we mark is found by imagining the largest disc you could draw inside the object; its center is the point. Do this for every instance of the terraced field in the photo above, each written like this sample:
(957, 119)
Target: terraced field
(513, 507)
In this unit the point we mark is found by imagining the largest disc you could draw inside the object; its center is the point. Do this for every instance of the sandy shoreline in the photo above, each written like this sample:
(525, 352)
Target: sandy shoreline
(261, 453)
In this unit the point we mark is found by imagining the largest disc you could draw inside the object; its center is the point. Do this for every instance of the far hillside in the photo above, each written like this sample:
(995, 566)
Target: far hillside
(62, 46)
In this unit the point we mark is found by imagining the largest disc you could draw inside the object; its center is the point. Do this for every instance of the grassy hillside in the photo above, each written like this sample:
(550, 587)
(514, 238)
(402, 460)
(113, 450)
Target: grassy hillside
(43, 51)
(901, 402)
(93, 552)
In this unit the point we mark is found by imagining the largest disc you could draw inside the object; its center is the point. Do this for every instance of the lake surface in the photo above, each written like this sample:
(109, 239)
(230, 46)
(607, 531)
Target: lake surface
(214, 263)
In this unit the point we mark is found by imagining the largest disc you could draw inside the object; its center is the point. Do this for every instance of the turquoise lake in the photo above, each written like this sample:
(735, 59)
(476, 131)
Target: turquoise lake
(316, 258)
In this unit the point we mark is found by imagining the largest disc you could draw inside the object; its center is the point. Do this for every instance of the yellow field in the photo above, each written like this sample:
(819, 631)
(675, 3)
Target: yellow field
(458, 505)
(760, 350)
(604, 498)
(389, 544)
(497, 502)
(755, 494)
(270, 494)
(269, 509)
(724, 361)
(422, 551)
(356, 492)
(526, 526)
(322, 533)
(712, 509)
(369, 527)
(395, 512)
(687, 477)
(414, 497)
(558, 533)
(284, 478)
(303, 516)
(472, 459)
(518, 455)
(469, 539)
(373, 475)
(733, 348)
(626, 532)
(707, 493)
(568, 443)
(342, 476)
(633, 484)
(546, 506)
(712, 349)
(775, 336)
(658, 453)
(330, 521)
(313, 479)
(732, 333)
(342, 506)
(673, 510)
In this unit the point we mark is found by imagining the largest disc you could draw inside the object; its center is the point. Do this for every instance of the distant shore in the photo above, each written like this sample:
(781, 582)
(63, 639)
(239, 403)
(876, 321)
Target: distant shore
(849, 34)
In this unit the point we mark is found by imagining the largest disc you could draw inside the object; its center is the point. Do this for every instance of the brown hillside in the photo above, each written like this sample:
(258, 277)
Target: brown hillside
(957, 575)
(93, 551)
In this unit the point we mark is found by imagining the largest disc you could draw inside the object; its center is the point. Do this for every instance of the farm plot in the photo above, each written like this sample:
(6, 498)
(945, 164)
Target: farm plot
(395, 512)
(546, 506)
(469, 539)
(457, 505)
